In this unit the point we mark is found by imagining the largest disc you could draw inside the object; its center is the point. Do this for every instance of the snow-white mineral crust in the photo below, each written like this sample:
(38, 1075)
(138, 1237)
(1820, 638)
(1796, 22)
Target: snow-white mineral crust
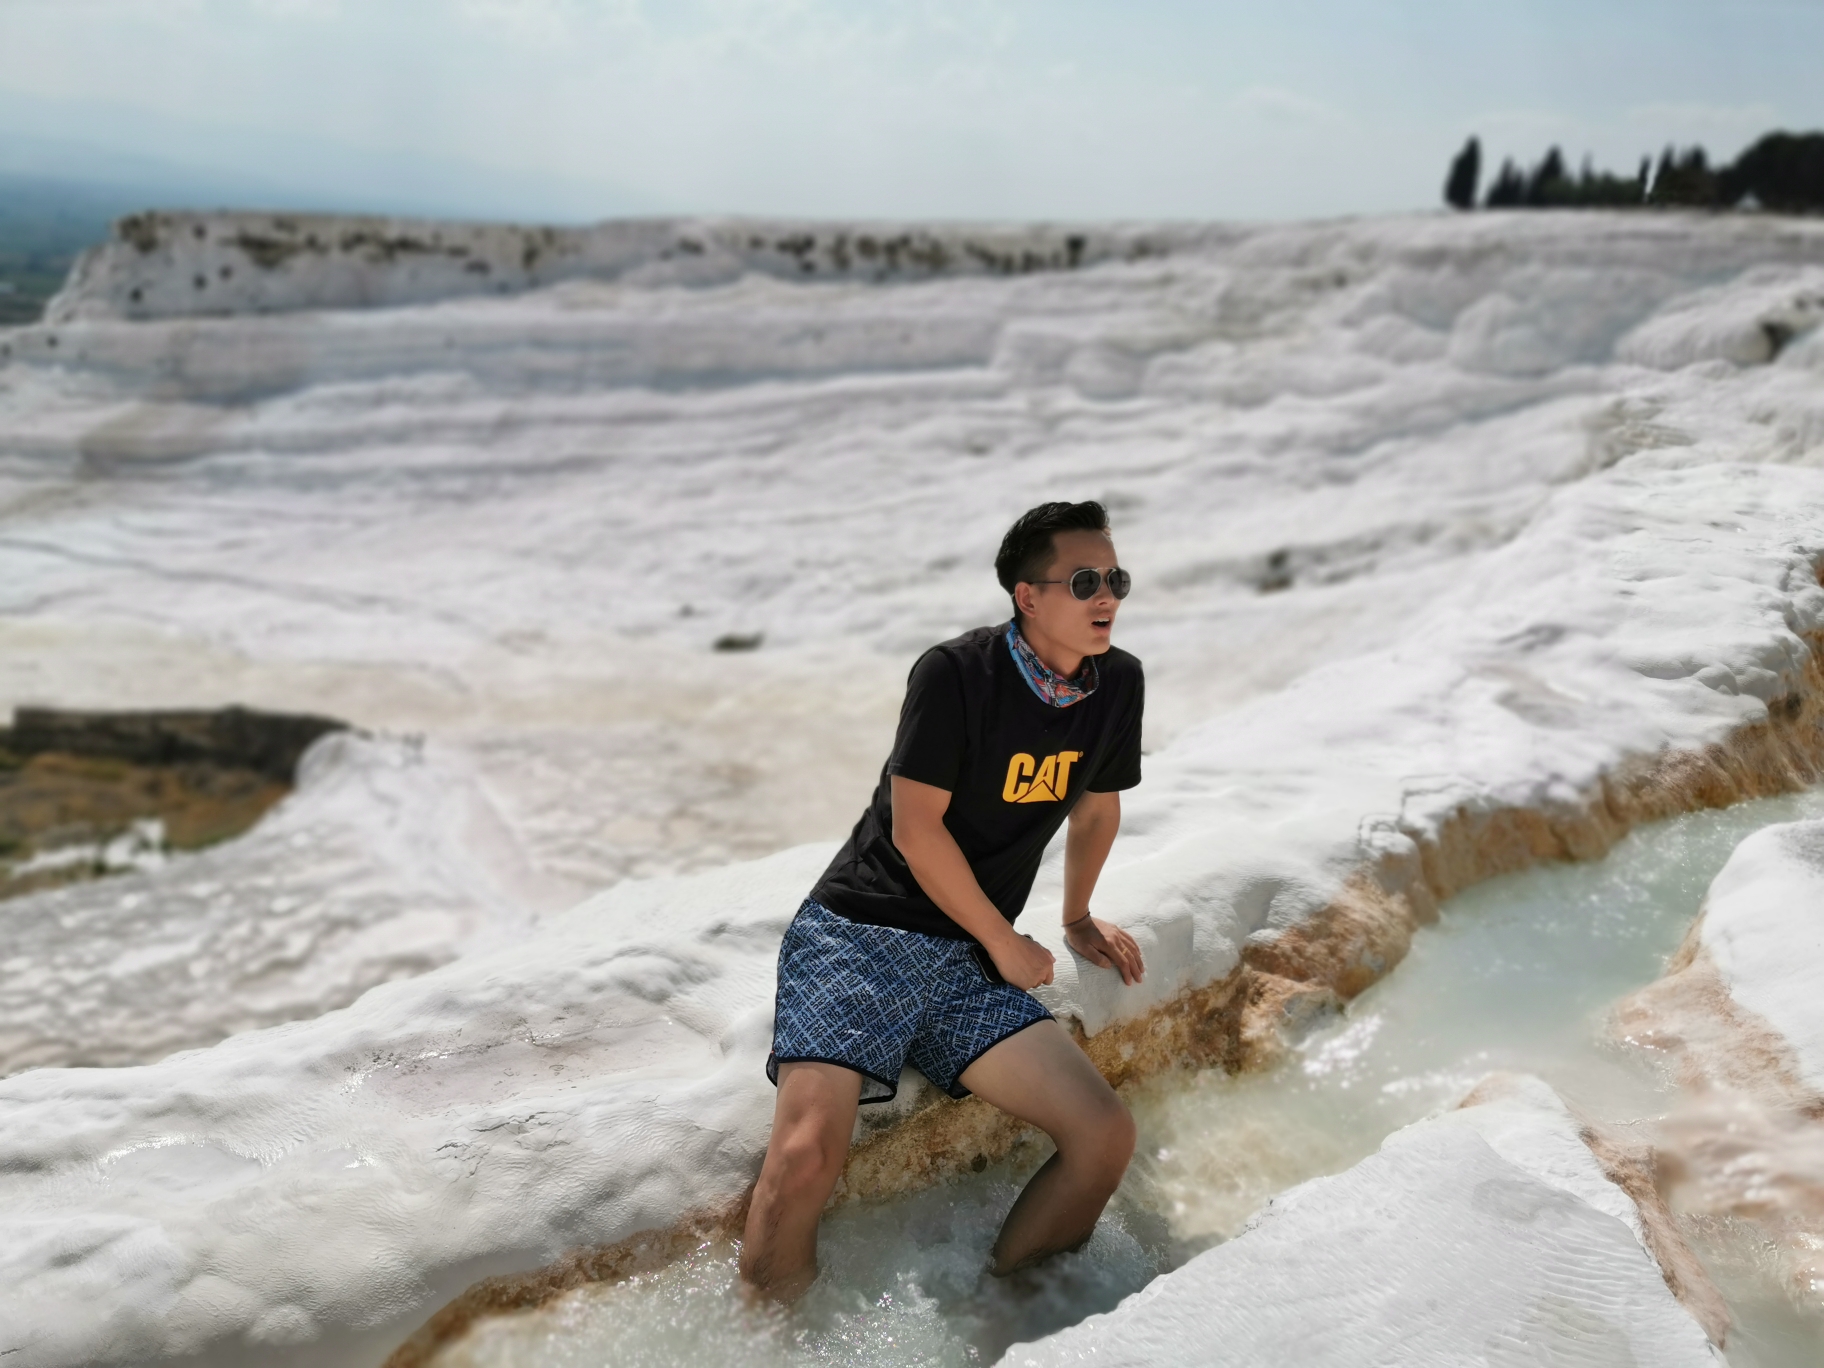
(1763, 927)
(1742, 1016)
(1425, 515)
(1488, 1235)
(388, 854)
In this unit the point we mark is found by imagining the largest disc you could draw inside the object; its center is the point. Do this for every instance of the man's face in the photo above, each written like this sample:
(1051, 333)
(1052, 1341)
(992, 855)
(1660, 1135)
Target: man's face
(1077, 625)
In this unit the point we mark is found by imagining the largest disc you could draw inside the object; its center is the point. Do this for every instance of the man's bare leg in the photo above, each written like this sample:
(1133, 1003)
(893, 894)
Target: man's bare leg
(1041, 1076)
(813, 1118)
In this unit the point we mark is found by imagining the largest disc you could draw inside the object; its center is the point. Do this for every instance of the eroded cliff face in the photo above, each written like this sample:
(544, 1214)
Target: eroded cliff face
(1738, 1016)
(192, 265)
(84, 794)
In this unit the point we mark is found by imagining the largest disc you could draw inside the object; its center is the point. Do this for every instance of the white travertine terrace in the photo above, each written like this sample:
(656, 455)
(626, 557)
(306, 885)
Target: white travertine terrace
(1763, 929)
(1431, 518)
(1486, 1235)
(387, 855)
(601, 1076)
(1740, 1015)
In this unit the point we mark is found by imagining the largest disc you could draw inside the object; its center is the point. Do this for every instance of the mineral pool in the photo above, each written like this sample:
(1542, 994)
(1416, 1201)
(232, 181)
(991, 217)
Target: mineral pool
(1518, 974)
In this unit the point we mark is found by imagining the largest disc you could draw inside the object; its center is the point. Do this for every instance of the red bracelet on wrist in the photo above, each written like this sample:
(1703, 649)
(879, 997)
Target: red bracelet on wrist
(1078, 922)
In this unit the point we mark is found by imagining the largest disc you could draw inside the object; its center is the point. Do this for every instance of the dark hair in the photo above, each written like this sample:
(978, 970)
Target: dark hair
(1028, 549)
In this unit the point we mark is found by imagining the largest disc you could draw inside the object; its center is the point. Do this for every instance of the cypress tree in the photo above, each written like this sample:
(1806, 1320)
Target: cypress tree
(1548, 184)
(1685, 181)
(1509, 189)
(1465, 176)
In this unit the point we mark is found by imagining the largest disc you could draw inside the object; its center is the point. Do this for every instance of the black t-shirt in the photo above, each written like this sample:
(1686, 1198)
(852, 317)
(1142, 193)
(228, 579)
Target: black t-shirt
(1014, 766)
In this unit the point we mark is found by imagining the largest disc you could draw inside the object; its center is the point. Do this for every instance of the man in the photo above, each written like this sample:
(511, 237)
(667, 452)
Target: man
(905, 950)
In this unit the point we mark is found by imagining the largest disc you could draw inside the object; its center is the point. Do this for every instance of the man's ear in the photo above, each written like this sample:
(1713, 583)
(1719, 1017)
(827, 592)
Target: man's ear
(1025, 599)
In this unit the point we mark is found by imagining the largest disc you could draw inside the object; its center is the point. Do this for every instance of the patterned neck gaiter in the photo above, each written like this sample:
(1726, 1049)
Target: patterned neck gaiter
(1046, 682)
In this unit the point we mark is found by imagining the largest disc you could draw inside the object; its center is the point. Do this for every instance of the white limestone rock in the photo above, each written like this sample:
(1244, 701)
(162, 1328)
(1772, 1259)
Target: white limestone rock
(1488, 1235)
(1741, 1016)
(1763, 927)
(1749, 322)
(314, 1185)
(184, 265)
(388, 860)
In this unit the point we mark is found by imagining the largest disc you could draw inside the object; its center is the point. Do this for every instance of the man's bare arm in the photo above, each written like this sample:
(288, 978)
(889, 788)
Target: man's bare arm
(937, 862)
(1093, 824)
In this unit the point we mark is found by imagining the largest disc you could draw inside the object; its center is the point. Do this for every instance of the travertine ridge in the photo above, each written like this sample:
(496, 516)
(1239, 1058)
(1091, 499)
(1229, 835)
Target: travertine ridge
(184, 264)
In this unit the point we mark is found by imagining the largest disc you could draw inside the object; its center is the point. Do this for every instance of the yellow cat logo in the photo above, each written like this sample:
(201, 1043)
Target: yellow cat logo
(1047, 785)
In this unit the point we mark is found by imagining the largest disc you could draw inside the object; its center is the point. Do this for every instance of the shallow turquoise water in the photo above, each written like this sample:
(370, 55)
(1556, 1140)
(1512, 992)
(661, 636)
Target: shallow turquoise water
(1518, 974)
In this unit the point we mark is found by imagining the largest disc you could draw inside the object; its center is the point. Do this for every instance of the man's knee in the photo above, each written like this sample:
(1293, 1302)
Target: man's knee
(1118, 1137)
(806, 1161)
(1105, 1142)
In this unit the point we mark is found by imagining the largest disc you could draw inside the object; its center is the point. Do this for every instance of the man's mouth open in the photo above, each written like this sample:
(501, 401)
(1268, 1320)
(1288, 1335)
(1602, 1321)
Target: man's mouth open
(1101, 624)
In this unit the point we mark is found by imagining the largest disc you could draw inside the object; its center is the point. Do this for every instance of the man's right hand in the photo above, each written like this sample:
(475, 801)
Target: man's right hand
(1023, 962)
(937, 862)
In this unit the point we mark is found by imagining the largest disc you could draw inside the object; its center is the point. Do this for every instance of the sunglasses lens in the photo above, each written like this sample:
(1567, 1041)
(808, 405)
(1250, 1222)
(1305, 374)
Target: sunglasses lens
(1084, 583)
(1119, 582)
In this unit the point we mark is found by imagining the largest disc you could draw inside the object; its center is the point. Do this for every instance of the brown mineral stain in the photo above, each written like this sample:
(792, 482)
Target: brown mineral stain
(74, 780)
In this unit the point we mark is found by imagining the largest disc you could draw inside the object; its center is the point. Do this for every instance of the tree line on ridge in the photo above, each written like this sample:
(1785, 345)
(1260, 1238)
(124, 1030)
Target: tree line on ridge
(1783, 172)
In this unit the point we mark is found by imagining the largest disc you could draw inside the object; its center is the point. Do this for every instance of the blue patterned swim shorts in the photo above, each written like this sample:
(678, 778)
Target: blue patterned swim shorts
(873, 998)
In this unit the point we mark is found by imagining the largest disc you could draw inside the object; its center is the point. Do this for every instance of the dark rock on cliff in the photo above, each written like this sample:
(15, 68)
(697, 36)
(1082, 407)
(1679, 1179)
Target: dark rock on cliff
(233, 738)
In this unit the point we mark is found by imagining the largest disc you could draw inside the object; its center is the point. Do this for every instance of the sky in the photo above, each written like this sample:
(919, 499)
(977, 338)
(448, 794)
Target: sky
(569, 110)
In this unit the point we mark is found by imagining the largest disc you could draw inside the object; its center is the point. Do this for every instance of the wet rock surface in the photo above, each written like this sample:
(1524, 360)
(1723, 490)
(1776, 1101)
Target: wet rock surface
(1740, 1017)
(269, 744)
(1490, 1234)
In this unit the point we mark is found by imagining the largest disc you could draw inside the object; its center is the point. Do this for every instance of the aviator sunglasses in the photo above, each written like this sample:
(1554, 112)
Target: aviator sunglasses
(1084, 583)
